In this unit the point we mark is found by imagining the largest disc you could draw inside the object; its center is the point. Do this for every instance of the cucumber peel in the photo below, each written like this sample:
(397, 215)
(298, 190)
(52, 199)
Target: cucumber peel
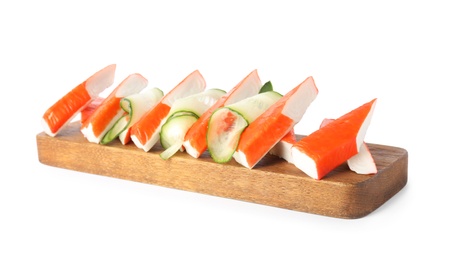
(119, 126)
(266, 87)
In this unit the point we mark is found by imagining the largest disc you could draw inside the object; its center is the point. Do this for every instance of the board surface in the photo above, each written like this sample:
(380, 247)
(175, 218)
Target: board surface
(273, 181)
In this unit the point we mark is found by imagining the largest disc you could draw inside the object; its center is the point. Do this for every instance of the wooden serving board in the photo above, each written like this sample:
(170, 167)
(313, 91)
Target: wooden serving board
(273, 181)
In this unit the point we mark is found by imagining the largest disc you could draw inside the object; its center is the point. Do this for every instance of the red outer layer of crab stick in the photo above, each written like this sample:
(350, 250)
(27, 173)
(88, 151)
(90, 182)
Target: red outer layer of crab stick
(195, 140)
(362, 162)
(323, 150)
(109, 111)
(145, 133)
(269, 128)
(66, 108)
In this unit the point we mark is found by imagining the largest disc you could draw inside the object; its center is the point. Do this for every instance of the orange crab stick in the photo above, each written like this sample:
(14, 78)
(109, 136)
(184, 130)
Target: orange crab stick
(362, 162)
(195, 139)
(109, 111)
(269, 128)
(66, 108)
(145, 132)
(320, 152)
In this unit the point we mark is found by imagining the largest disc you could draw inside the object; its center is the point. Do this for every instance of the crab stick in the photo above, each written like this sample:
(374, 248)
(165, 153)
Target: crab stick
(134, 106)
(109, 111)
(362, 162)
(195, 139)
(272, 125)
(71, 104)
(145, 133)
(320, 152)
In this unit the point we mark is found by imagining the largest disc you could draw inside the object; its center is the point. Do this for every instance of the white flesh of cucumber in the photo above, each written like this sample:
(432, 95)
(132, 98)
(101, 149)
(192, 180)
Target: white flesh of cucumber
(173, 132)
(223, 134)
(227, 124)
(197, 103)
(252, 107)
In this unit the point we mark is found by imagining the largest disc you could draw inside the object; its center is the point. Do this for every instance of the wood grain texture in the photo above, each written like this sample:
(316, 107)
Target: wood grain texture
(273, 182)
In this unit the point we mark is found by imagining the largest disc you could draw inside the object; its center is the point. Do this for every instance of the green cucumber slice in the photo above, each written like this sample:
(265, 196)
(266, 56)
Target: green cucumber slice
(173, 131)
(223, 133)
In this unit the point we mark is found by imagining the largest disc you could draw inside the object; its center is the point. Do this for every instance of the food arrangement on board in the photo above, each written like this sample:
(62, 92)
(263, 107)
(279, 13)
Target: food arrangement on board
(245, 123)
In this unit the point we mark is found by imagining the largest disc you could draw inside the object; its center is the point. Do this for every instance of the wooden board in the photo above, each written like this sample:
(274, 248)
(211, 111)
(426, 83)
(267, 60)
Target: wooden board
(273, 182)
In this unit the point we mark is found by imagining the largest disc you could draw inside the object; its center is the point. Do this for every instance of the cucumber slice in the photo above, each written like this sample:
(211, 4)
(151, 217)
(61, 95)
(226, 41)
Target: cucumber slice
(173, 132)
(134, 106)
(223, 133)
(252, 107)
(227, 124)
(117, 128)
(169, 152)
(197, 103)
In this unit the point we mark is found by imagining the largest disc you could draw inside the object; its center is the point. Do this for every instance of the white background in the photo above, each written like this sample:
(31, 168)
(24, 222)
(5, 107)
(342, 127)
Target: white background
(404, 53)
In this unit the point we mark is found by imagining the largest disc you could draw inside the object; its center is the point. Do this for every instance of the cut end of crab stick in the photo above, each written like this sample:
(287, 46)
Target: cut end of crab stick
(98, 82)
(272, 125)
(283, 148)
(320, 152)
(362, 162)
(108, 113)
(66, 108)
(195, 140)
(145, 133)
(194, 83)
